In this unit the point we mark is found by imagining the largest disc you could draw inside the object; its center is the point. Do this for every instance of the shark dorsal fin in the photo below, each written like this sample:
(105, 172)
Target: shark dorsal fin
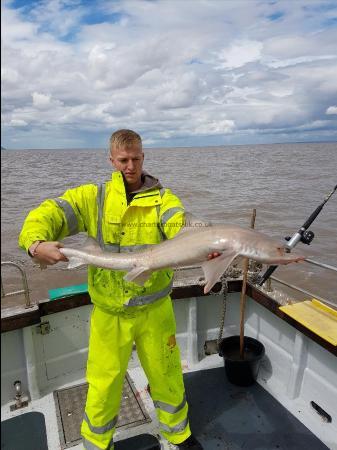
(193, 222)
(92, 245)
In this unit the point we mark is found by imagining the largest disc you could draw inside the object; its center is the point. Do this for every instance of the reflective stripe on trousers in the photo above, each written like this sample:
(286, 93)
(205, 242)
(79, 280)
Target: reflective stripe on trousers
(176, 428)
(100, 431)
(175, 412)
(110, 347)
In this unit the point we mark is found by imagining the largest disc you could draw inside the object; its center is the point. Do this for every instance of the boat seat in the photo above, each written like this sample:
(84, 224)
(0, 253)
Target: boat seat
(24, 432)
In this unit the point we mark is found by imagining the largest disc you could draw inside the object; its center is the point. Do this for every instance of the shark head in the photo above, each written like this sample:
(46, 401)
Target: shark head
(273, 252)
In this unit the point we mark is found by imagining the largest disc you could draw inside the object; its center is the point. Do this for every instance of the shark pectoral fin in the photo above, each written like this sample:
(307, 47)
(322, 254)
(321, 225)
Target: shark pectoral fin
(75, 262)
(138, 275)
(214, 268)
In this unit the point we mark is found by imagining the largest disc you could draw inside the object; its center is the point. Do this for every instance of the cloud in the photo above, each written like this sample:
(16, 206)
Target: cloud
(239, 54)
(222, 71)
(18, 123)
(44, 101)
(331, 110)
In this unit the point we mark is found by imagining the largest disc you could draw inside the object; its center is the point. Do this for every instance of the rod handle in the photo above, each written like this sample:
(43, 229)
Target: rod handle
(267, 274)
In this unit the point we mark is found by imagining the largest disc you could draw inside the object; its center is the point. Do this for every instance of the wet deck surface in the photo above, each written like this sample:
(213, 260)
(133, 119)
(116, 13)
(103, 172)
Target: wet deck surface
(228, 417)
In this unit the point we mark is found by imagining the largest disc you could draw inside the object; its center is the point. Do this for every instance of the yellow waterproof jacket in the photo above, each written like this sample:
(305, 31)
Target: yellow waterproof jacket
(103, 212)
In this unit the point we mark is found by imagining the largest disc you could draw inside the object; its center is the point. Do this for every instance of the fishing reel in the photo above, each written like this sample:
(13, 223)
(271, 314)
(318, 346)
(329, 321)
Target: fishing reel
(306, 237)
(302, 235)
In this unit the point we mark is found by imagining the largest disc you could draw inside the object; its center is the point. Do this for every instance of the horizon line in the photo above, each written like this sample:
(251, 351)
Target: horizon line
(172, 147)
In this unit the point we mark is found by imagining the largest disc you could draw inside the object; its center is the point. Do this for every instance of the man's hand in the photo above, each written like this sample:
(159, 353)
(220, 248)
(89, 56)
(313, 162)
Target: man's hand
(47, 253)
(213, 255)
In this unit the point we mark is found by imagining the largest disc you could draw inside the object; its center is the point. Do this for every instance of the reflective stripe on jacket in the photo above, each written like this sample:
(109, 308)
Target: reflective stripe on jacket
(150, 215)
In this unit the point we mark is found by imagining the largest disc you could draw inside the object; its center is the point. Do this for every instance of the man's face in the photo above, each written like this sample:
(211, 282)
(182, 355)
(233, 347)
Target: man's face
(129, 160)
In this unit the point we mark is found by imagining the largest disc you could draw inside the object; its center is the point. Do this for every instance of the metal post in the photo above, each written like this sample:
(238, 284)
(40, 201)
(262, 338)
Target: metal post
(25, 289)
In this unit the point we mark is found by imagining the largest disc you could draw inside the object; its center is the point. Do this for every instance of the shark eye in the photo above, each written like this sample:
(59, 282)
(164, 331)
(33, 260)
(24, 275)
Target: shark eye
(280, 250)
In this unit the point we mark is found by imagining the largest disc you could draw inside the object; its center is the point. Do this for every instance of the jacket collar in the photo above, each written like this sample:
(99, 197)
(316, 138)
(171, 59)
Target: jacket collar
(149, 182)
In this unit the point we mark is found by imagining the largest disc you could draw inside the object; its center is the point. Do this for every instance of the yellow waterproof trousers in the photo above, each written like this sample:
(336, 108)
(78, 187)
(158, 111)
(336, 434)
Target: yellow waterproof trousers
(111, 339)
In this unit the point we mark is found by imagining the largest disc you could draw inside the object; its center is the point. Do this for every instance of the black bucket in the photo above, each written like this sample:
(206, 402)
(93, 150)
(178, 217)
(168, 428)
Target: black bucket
(242, 372)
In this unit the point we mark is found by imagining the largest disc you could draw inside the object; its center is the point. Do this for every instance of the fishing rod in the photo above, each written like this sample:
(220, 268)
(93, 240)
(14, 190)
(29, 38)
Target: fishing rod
(302, 235)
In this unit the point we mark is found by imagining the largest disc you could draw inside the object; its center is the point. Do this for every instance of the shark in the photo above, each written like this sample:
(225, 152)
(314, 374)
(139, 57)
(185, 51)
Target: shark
(190, 247)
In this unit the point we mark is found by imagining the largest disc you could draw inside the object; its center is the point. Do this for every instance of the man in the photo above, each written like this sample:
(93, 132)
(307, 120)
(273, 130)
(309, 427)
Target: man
(124, 214)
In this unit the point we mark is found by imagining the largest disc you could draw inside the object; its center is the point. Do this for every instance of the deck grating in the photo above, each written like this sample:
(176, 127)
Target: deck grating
(70, 403)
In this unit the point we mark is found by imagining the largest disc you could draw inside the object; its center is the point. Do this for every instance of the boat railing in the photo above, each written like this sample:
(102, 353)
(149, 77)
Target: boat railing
(25, 289)
(304, 291)
(268, 286)
(319, 264)
(310, 261)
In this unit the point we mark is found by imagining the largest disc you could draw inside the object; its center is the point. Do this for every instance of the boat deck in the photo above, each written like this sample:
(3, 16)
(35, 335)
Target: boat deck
(223, 416)
(297, 373)
(228, 417)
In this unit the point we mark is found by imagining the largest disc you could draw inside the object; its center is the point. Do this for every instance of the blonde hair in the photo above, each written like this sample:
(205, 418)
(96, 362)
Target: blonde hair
(124, 138)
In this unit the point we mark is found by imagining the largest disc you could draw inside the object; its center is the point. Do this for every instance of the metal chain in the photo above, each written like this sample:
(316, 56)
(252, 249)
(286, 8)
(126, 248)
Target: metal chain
(233, 272)
(254, 269)
(223, 292)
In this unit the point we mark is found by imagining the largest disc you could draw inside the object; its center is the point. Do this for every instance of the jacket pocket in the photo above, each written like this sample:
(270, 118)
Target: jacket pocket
(112, 228)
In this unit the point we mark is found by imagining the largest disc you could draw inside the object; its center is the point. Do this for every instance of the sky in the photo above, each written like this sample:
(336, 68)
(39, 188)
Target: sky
(179, 72)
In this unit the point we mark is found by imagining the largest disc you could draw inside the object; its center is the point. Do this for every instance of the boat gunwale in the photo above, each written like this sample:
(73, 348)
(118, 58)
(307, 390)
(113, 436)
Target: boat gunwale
(15, 318)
